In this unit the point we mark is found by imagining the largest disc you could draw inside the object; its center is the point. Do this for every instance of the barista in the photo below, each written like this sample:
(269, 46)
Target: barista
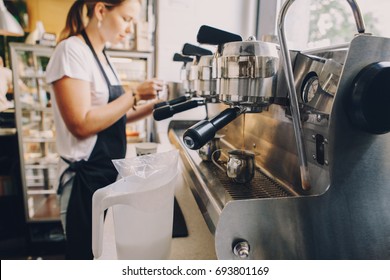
(91, 110)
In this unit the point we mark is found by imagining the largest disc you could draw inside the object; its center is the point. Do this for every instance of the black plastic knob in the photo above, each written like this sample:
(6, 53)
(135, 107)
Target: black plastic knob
(202, 132)
(182, 58)
(189, 49)
(213, 36)
(368, 106)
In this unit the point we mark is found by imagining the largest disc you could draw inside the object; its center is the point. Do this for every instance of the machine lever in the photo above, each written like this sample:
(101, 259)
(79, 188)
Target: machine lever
(168, 111)
(175, 101)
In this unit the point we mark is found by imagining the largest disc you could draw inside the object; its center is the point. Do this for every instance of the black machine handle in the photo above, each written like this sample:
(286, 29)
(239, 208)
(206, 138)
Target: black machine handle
(189, 49)
(182, 58)
(213, 36)
(168, 111)
(369, 102)
(175, 101)
(202, 132)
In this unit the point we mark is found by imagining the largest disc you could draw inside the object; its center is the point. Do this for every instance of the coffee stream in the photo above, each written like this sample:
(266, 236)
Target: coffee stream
(243, 133)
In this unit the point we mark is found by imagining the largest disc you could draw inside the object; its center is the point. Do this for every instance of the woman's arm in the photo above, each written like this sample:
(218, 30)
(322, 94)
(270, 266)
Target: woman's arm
(141, 111)
(81, 118)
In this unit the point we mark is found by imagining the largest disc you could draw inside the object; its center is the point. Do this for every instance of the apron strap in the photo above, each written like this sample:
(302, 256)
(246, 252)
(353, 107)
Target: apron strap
(73, 166)
(88, 42)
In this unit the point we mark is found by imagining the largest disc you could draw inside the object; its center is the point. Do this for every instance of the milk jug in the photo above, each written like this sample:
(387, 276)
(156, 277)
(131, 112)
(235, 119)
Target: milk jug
(142, 207)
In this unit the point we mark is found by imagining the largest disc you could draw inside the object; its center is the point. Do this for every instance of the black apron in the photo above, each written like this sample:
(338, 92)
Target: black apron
(97, 172)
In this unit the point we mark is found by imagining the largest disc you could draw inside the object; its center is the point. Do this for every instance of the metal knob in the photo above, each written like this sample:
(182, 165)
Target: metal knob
(241, 249)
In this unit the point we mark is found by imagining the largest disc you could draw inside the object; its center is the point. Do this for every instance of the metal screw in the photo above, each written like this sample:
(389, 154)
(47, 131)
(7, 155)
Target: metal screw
(241, 249)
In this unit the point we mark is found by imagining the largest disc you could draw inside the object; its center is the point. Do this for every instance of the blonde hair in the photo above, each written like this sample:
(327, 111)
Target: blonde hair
(75, 19)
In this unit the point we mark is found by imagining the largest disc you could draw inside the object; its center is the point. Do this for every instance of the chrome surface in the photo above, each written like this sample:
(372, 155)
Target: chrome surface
(345, 214)
(325, 72)
(357, 15)
(293, 97)
(176, 89)
(241, 249)
(209, 151)
(205, 84)
(185, 77)
(246, 73)
(240, 166)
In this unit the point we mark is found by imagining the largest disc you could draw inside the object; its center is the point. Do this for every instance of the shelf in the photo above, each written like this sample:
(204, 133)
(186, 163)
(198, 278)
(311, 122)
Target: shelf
(35, 192)
(7, 131)
(41, 166)
(36, 107)
(38, 140)
(33, 76)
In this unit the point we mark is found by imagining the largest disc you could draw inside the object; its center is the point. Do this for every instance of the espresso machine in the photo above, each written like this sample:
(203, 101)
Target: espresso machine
(196, 89)
(318, 126)
(245, 73)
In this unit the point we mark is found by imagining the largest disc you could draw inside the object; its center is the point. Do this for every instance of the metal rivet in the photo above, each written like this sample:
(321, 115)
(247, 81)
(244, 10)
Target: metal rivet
(241, 249)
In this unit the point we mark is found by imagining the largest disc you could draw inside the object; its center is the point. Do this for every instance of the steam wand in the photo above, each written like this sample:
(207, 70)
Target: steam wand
(296, 118)
(298, 130)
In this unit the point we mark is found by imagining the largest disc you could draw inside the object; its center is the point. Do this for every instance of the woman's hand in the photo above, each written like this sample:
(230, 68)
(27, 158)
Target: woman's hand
(150, 89)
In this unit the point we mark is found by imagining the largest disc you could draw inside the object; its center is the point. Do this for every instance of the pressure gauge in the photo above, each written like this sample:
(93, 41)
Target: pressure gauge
(309, 88)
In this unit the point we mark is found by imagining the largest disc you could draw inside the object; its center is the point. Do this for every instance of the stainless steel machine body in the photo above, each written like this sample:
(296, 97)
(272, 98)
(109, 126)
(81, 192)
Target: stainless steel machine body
(205, 83)
(246, 73)
(342, 98)
(345, 214)
(185, 77)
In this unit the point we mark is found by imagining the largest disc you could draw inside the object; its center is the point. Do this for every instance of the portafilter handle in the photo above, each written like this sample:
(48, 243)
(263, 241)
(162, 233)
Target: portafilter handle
(168, 111)
(182, 58)
(175, 101)
(202, 132)
(189, 49)
(213, 36)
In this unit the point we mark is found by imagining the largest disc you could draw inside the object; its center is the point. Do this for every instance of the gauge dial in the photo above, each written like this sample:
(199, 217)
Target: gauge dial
(310, 88)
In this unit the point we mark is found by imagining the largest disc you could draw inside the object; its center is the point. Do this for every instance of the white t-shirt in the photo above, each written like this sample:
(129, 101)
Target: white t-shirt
(5, 82)
(73, 58)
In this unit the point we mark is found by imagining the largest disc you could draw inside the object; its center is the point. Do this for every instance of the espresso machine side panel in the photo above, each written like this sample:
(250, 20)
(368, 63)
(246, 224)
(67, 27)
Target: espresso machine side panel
(360, 162)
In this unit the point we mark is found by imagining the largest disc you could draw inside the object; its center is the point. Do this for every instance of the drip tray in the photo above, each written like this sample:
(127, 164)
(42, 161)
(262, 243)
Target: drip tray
(261, 185)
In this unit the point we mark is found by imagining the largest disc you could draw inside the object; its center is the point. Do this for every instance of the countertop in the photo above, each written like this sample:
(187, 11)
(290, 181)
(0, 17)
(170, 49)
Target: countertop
(199, 245)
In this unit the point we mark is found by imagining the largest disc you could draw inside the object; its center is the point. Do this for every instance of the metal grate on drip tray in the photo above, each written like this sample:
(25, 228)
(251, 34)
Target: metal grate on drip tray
(261, 186)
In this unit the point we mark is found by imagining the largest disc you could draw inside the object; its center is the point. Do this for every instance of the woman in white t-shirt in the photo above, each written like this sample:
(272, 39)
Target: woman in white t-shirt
(91, 110)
